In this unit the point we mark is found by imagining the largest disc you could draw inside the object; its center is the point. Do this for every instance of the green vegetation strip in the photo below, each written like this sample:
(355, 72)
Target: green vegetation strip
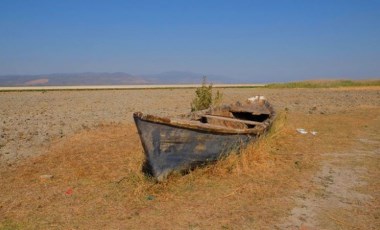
(324, 84)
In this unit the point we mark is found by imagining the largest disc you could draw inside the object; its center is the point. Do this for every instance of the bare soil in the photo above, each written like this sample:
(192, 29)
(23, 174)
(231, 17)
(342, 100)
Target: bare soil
(87, 141)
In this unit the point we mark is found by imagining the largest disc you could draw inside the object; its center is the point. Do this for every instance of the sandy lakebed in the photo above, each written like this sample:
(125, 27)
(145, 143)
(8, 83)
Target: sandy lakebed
(339, 185)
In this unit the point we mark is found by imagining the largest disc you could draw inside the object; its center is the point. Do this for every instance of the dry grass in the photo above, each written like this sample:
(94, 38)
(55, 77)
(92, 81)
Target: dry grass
(103, 168)
(364, 160)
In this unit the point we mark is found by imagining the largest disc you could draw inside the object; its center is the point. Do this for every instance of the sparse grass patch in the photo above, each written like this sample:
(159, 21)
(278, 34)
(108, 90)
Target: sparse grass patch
(10, 225)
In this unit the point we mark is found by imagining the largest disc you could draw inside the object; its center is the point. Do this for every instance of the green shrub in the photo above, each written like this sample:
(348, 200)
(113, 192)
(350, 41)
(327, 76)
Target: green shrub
(204, 97)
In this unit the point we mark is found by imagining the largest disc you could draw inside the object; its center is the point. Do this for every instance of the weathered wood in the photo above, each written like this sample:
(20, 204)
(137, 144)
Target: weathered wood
(212, 128)
(255, 109)
(225, 123)
(196, 125)
(187, 141)
(168, 148)
(234, 120)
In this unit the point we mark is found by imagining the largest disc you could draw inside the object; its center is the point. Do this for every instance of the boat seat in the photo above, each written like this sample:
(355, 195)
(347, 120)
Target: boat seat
(230, 122)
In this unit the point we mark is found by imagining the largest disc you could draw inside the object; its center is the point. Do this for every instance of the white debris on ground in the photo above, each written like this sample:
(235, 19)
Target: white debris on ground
(303, 131)
(256, 98)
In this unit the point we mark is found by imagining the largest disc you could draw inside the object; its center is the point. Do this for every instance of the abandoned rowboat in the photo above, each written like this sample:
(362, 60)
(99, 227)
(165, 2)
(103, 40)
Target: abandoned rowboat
(184, 142)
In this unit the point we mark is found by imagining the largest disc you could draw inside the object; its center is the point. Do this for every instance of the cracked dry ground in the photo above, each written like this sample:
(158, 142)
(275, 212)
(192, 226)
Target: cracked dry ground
(87, 141)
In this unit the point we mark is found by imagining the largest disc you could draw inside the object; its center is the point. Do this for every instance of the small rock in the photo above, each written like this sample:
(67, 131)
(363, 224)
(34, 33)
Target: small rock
(46, 176)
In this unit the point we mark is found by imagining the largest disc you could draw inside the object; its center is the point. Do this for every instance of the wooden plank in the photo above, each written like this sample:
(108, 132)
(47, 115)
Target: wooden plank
(235, 120)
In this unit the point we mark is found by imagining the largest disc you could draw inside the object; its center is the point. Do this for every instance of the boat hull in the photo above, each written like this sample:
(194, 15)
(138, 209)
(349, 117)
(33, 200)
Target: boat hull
(169, 148)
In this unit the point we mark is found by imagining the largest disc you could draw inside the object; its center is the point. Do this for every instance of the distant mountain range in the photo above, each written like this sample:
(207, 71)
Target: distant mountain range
(118, 78)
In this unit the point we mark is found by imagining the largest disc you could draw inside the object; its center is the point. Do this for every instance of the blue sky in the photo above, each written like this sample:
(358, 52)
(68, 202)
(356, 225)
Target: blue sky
(250, 40)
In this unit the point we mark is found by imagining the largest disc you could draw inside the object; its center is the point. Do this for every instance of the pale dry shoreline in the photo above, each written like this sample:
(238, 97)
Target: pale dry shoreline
(110, 87)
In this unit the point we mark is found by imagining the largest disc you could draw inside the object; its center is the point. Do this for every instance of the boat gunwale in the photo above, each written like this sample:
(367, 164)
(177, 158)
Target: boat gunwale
(204, 127)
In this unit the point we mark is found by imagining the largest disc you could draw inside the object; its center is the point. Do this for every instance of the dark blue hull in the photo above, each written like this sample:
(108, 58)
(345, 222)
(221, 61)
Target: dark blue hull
(170, 148)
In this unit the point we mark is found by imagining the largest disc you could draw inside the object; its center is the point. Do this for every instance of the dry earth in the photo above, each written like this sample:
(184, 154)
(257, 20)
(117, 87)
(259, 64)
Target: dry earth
(30, 120)
(332, 182)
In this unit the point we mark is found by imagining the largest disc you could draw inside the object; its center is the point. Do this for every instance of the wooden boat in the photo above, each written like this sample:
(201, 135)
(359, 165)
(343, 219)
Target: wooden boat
(187, 141)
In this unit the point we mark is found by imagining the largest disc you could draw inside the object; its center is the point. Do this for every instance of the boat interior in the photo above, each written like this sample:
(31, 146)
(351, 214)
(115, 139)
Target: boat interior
(250, 117)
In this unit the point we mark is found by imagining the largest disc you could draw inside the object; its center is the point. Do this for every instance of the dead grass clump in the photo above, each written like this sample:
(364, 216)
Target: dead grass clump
(256, 157)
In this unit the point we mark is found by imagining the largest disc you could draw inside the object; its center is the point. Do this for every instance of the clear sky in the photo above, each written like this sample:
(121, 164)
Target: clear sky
(272, 40)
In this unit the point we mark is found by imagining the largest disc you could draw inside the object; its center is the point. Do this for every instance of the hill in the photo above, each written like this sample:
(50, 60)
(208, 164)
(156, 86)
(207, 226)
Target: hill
(117, 78)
